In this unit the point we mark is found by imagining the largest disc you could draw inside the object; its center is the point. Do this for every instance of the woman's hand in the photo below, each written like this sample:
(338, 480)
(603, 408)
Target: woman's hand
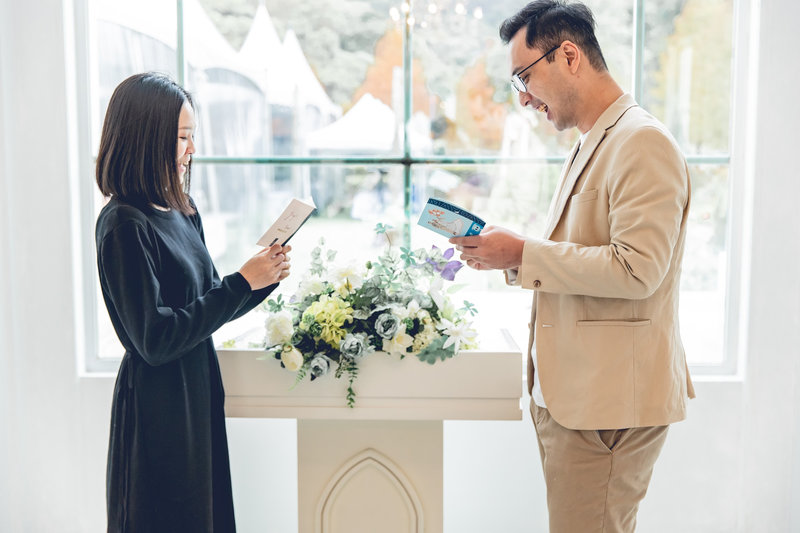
(268, 266)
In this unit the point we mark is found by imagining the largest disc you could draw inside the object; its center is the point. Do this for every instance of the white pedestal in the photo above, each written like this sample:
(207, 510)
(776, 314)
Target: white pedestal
(378, 466)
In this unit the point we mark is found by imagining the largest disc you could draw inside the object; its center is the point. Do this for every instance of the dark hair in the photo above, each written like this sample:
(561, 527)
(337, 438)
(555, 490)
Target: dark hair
(550, 22)
(137, 157)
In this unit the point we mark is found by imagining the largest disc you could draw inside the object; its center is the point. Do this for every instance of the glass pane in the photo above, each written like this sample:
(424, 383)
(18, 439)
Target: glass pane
(239, 202)
(514, 196)
(688, 55)
(518, 197)
(704, 276)
(614, 30)
(281, 77)
(126, 38)
(462, 96)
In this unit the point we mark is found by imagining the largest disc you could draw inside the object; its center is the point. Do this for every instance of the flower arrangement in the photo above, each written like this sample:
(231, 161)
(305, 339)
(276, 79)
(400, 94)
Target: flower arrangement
(395, 305)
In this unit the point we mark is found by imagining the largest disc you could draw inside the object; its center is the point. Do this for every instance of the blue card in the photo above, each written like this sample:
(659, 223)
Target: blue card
(449, 220)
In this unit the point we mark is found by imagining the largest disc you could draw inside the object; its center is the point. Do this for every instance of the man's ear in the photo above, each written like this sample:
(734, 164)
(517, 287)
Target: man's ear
(573, 55)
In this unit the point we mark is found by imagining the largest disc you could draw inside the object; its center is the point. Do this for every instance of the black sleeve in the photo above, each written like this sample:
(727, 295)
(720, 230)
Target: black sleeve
(256, 297)
(159, 333)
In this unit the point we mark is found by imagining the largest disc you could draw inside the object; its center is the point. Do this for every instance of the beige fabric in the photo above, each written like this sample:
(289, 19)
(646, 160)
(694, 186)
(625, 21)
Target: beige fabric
(595, 478)
(606, 279)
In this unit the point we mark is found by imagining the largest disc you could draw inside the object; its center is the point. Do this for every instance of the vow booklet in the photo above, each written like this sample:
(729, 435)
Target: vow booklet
(294, 216)
(449, 220)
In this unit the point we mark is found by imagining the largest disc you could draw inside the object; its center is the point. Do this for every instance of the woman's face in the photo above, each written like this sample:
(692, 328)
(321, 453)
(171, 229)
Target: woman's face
(186, 127)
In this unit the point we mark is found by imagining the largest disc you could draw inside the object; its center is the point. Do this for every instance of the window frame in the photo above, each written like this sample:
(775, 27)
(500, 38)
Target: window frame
(739, 188)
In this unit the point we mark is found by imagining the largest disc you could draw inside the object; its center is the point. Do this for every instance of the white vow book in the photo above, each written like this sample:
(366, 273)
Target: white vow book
(294, 216)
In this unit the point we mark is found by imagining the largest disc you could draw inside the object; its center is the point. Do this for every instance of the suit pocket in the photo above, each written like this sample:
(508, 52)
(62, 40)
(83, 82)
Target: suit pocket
(607, 352)
(585, 196)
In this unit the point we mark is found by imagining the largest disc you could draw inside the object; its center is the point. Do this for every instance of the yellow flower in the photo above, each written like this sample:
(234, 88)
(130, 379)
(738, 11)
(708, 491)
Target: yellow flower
(331, 313)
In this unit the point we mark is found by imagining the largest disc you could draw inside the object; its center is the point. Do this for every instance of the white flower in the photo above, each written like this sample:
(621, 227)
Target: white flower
(399, 343)
(387, 325)
(457, 334)
(320, 365)
(355, 346)
(349, 275)
(411, 310)
(435, 292)
(310, 285)
(291, 358)
(279, 328)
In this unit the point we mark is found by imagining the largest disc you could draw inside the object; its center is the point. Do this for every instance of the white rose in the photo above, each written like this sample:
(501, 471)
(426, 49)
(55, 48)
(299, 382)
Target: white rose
(310, 285)
(279, 328)
(349, 275)
(292, 359)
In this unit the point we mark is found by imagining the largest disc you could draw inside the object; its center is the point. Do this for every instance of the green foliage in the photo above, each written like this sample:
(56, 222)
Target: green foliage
(317, 265)
(300, 376)
(470, 308)
(276, 305)
(435, 351)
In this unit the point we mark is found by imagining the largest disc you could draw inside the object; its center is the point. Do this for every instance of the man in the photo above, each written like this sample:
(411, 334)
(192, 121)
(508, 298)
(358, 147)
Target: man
(606, 368)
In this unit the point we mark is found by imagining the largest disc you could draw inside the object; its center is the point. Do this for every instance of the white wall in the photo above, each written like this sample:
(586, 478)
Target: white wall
(732, 466)
(771, 415)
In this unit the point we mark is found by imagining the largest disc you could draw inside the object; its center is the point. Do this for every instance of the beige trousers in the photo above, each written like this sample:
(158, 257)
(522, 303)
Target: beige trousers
(595, 478)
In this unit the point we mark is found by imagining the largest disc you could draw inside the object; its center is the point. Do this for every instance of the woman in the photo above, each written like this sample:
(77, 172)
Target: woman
(168, 467)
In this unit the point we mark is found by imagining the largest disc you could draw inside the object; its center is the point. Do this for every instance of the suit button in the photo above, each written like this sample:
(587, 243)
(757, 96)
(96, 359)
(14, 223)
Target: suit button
(537, 284)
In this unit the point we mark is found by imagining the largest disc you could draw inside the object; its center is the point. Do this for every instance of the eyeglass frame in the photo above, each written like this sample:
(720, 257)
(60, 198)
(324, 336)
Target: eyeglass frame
(515, 79)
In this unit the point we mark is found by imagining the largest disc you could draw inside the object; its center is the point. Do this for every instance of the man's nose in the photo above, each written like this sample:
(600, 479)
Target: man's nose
(525, 98)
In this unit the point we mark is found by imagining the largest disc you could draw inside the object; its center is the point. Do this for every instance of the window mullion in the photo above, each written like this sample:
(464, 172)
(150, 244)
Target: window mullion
(407, 111)
(638, 50)
(181, 53)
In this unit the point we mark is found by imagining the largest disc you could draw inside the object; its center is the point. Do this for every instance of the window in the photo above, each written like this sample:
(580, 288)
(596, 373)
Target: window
(370, 107)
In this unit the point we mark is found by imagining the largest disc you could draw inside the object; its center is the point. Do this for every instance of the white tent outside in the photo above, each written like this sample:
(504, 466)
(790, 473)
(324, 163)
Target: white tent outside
(310, 90)
(204, 45)
(262, 55)
(370, 126)
(281, 68)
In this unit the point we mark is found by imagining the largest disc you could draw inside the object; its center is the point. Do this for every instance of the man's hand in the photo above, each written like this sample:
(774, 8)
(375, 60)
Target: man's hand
(494, 248)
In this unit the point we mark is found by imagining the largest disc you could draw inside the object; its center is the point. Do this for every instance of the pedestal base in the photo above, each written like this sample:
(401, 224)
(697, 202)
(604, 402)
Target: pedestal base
(369, 476)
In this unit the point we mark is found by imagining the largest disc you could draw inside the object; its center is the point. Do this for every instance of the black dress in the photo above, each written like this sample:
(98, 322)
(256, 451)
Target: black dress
(168, 469)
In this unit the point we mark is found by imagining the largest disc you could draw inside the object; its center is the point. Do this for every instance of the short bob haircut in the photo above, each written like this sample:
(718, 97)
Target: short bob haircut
(551, 22)
(137, 160)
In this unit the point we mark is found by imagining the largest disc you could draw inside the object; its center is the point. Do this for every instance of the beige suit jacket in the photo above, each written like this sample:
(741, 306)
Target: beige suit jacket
(606, 279)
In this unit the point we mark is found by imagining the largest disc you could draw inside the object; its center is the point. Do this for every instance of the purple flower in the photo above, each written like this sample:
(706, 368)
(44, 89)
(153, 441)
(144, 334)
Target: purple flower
(447, 270)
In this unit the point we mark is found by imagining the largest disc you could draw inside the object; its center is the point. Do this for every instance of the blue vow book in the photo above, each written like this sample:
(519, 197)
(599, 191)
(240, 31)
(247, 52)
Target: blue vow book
(449, 220)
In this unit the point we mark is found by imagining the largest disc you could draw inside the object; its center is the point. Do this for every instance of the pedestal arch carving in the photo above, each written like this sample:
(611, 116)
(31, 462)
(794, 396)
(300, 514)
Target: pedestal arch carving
(369, 493)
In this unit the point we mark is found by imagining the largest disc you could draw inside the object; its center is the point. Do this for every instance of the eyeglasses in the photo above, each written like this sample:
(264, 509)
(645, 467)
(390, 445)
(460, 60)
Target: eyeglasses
(516, 81)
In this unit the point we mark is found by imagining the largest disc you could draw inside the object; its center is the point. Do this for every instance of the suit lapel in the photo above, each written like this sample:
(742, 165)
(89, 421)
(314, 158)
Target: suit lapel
(571, 172)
